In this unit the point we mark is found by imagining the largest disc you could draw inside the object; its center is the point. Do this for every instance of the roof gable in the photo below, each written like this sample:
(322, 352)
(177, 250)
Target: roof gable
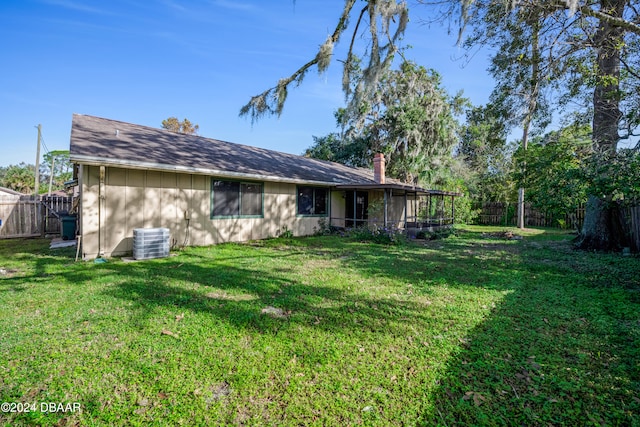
(10, 192)
(96, 140)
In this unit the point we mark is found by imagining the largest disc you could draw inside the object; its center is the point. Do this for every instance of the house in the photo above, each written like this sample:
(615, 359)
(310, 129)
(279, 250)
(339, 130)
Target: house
(207, 191)
(7, 192)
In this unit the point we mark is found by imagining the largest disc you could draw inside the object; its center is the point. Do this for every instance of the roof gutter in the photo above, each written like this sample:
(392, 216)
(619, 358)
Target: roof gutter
(98, 161)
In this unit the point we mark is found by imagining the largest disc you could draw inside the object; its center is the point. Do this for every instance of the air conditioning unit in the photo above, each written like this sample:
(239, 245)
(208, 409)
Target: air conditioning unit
(150, 243)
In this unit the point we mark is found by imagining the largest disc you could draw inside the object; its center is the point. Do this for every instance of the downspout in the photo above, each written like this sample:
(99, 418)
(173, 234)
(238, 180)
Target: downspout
(101, 212)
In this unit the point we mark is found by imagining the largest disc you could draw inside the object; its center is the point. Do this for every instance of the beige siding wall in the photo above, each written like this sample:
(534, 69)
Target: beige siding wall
(180, 202)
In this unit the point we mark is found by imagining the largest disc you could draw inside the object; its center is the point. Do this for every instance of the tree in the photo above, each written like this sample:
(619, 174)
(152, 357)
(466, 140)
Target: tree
(588, 43)
(62, 169)
(172, 124)
(20, 177)
(412, 120)
(387, 20)
(483, 136)
(408, 116)
(519, 83)
(354, 152)
(488, 157)
(555, 176)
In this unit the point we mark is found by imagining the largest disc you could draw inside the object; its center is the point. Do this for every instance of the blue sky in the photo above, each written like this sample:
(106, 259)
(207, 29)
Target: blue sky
(142, 61)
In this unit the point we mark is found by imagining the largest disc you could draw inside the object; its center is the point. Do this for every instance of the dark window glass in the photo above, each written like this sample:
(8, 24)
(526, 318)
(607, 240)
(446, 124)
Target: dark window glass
(305, 201)
(320, 202)
(231, 198)
(251, 199)
(226, 200)
(313, 201)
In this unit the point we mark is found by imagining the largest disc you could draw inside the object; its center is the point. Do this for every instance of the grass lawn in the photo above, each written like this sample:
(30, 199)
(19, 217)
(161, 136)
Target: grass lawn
(469, 330)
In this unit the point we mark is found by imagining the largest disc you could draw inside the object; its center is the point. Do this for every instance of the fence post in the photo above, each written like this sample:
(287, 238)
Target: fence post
(42, 214)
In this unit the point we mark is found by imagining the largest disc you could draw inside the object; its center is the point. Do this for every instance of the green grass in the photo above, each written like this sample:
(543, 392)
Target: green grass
(469, 330)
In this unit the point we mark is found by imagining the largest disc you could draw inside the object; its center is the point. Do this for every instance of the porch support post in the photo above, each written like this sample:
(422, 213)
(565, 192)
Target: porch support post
(386, 205)
(330, 206)
(355, 208)
(453, 210)
(406, 208)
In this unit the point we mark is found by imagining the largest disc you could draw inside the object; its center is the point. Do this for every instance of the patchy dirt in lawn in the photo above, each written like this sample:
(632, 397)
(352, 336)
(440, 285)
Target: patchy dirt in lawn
(231, 297)
(7, 272)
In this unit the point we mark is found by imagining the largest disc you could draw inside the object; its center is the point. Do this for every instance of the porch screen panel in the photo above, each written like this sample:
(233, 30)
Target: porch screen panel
(226, 198)
(251, 199)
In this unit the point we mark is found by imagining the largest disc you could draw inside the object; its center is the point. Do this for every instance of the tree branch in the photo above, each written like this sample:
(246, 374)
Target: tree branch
(605, 17)
(271, 101)
(611, 20)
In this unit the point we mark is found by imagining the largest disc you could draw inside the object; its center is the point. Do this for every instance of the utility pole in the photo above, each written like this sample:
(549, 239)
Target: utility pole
(37, 189)
(53, 161)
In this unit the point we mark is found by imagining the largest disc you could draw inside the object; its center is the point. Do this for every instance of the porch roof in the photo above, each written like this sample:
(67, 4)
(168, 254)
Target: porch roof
(399, 187)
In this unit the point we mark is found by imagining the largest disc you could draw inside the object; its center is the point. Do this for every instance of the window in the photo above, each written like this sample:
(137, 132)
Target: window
(236, 199)
(313, 201)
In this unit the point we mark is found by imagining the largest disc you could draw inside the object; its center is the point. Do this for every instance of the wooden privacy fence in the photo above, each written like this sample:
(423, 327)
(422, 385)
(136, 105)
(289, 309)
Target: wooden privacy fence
(53, 207)
(31, 216)
(631, 223)
(499, 213)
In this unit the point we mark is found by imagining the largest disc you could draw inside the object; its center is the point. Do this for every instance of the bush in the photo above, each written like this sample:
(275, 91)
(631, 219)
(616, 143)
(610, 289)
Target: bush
(441, 233)
(285, 233)
(465, 214)
(325, 229)
(384, 236)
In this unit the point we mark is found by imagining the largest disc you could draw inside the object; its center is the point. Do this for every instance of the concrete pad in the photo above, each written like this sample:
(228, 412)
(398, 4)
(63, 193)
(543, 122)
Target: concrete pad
(59, 243)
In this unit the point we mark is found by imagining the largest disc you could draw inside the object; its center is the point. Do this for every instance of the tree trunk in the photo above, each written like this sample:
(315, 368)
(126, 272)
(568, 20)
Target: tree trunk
(531, 111)
(602, 229)
(599, 231)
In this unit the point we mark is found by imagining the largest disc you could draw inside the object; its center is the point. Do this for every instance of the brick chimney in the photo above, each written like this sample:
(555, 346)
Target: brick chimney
(378, 168)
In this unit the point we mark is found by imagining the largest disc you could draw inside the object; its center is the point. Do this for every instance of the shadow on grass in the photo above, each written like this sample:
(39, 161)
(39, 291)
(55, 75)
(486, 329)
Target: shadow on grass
(245, 279)
(30, 260)
(562, 349)
(238, 296)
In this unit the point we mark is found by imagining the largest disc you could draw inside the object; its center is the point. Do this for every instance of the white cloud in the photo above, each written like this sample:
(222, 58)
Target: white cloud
(74, 5)
(228, 4)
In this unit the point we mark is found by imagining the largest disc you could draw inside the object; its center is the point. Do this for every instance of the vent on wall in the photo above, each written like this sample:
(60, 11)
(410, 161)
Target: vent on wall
(150, 243)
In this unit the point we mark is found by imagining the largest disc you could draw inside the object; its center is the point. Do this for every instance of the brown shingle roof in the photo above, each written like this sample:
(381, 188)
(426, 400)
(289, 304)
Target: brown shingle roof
(95, 140)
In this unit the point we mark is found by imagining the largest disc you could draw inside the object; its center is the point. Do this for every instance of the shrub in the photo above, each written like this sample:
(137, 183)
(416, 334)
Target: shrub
(325, 229)
(441, 233)
(384, 236)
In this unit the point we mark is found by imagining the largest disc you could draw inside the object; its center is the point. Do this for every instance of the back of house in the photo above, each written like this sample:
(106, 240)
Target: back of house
(207, 191)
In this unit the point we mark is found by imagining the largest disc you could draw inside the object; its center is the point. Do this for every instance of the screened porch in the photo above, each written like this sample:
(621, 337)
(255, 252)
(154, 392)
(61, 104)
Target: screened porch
(393, 206)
